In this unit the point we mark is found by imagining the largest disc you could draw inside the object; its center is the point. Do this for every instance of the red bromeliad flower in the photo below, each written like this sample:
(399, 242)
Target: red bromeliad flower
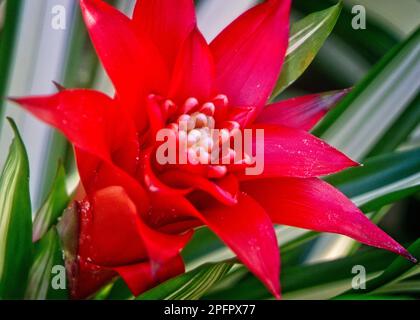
(137, 215)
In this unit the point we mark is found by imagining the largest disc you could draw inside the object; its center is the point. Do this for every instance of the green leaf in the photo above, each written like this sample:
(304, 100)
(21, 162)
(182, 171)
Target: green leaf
(191, 285)
(306, 39)
(400, 131)
(119, 291)
(370, 43)
(48, 255)
(363, 117)
(347, 55)
(203, 242)
(57, 200)
(388, 197)
(104, 292)
(7, 43)
(381, 180)
(373, 297)
(323, 280)
(15, 221)
(396, 271)
(403, 287)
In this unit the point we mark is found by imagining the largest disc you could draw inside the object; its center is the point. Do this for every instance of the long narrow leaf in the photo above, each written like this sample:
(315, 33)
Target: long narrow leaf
(15, 221)
(316, 281)
(7, 42)
(396, 271)
(371, 43)
(364, 116)
(53, 206)
(380, 176)
(191, 285)
(48, 263)
(307, 37)
(400, 131)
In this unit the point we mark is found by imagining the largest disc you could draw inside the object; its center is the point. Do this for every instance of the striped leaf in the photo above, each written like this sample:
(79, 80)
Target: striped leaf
(370, 43)
(381, 180)
(323, 280)
(400, 131)
(306, 39)
(362, 119)
(398, 270)
(8, 39)
(15, 221)
(57, 200)
(191, 285)
(348, 54)
(48, 256)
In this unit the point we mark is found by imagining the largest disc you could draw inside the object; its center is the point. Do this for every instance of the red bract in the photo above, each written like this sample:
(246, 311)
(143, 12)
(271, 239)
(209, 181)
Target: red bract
(137, 215)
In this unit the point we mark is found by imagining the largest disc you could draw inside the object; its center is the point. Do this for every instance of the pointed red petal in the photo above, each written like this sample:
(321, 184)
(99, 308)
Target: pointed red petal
(82, 116)
(132, 61)
(194, 70)
(290, 152)
(140, 277)
(250, 52)
(248, 231)
(314, 204)
(167, 22)
(302, 112)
